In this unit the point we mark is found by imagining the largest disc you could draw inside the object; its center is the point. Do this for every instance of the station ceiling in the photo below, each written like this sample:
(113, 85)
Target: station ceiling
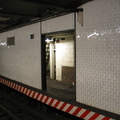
(17, 12)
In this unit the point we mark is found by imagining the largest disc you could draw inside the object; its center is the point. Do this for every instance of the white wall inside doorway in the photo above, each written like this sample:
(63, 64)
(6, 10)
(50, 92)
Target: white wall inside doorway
(64, 55)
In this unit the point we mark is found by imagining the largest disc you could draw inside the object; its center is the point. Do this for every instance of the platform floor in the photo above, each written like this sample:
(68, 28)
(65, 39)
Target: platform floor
(60, 90)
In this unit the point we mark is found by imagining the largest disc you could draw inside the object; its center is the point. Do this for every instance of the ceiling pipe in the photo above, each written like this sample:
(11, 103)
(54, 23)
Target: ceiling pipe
(14, 14)
(38, 19)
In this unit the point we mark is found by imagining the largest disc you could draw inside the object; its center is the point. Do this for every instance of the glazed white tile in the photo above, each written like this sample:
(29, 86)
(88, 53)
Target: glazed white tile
(98, 58)
(61, 23)
(22, 61)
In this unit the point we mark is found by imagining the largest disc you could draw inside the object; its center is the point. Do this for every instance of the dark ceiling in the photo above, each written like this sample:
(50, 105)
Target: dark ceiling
(17, 12)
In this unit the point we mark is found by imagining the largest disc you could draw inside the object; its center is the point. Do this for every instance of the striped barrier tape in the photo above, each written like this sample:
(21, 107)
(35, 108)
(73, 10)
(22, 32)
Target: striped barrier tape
(60, 105)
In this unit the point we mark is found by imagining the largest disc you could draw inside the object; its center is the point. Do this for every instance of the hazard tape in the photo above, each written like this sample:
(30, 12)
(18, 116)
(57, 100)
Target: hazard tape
(60, 105)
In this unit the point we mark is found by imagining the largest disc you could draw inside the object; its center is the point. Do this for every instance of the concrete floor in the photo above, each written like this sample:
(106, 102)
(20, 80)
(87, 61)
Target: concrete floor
(60, 90)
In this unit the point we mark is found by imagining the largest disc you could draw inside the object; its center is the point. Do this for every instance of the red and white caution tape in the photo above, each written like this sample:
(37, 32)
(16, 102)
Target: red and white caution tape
(60, 105)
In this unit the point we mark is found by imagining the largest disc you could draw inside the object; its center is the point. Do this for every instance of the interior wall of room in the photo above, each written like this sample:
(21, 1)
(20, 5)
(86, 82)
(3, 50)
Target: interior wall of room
(21, 62)
(64, 55)
(98, 55)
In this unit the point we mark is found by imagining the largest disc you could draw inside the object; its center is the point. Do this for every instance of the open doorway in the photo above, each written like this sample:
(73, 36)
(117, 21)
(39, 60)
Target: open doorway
(60, 64)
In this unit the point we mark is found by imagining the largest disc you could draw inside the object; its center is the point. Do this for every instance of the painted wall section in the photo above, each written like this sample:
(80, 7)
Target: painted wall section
(61, 23)
(98, 55)
(22, 61)
(64, 55)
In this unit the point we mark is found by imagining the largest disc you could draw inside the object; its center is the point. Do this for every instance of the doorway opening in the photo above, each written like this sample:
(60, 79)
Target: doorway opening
(60, 64)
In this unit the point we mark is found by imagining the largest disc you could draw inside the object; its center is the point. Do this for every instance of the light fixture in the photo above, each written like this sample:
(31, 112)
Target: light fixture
(48, 40)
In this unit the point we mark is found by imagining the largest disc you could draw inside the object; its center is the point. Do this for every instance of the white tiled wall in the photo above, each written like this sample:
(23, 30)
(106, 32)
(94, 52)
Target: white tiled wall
(22, 61)
(61, 23)
(64, 55)
(98, 56)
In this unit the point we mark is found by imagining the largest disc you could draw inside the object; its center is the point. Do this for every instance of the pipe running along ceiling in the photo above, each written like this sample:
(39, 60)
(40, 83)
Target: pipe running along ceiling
(18, 12)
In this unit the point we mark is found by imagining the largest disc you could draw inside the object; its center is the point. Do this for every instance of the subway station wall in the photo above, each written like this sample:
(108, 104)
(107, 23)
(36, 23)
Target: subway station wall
(61, 23)
(21, 62)
(98, 55)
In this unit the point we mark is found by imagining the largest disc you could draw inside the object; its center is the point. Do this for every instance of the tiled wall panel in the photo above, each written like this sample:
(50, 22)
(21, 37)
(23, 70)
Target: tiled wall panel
(98, 55)
(21, 62)
(61, 23)
(64, 55)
